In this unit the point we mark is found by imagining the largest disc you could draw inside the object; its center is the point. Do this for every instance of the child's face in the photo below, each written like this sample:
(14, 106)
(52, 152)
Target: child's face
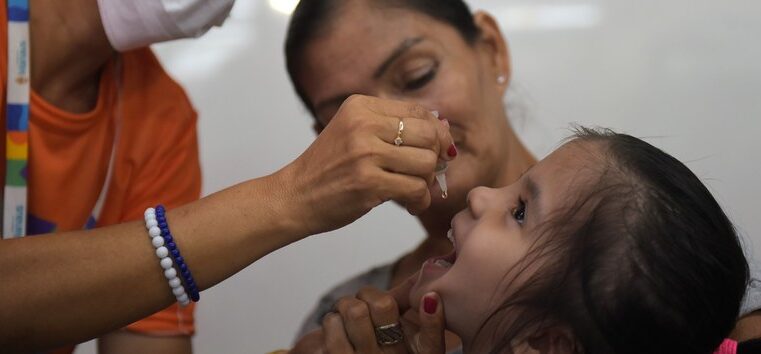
(496, 231)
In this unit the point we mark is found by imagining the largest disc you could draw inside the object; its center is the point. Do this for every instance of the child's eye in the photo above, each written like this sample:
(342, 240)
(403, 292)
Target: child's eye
(519, 213)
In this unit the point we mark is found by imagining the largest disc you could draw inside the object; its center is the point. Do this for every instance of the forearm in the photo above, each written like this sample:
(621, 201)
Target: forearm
(104, 279)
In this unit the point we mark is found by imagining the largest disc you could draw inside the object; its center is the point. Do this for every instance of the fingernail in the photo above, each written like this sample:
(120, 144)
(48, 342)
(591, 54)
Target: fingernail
(435, 114)
(429, 304)
(452, 151)
(445, 122)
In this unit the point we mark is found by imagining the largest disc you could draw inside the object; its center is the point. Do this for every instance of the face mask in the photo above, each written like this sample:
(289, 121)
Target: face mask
(132, 24)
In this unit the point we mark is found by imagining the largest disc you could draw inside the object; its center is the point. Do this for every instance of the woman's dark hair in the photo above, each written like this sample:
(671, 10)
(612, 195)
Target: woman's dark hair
(645, 262)
(311, 17)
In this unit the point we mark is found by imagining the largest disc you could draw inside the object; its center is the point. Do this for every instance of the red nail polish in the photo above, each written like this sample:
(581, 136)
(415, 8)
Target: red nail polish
(429, 304)
(452, 151)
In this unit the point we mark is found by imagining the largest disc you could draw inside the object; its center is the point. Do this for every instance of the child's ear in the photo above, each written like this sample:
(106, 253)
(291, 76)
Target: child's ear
(553, 340)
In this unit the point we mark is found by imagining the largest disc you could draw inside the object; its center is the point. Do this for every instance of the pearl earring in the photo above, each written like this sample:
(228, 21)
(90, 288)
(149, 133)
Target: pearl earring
(501, 79)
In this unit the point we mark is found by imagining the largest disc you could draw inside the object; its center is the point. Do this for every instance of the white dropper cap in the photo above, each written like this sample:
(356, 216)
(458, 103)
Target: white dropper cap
(441, 169)
(441, 177)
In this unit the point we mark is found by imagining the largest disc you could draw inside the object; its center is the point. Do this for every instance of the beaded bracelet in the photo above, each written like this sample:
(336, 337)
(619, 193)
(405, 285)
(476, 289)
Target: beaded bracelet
(190, 285)
(154, 233)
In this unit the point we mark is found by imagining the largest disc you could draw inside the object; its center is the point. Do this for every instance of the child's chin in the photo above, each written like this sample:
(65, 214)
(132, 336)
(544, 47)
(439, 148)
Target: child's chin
(416, 293)
(421, 287)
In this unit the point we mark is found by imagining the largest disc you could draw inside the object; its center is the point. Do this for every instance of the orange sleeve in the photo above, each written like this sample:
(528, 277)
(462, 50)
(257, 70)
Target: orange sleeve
(170, 172)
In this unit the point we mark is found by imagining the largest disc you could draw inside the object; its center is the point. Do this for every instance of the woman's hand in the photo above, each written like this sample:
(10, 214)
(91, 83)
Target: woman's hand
(354, 164)
(352, 328)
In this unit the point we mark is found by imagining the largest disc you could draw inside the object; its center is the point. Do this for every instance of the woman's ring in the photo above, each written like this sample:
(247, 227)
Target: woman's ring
(398, 141)
(389, 334)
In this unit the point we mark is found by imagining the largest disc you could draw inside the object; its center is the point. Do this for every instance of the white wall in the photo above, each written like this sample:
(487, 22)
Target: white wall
(685, 73)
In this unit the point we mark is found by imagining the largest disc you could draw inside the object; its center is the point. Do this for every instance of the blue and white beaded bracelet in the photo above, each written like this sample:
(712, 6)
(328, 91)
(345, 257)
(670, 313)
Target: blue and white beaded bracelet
(166, 262)
(190, 284)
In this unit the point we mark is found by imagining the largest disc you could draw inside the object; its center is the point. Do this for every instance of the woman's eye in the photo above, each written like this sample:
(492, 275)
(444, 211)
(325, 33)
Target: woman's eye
(421, 79)
(519, 213)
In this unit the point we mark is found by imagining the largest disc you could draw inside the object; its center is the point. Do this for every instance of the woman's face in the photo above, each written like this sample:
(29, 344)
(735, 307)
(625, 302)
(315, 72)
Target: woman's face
(401, 54)
(495, 232)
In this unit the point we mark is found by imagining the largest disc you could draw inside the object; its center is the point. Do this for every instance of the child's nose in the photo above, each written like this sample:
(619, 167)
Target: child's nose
(479, 199)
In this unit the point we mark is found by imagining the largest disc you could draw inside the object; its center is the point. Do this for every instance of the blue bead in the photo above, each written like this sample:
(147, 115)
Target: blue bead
(175, 253)
(172, 246)
(168, 238)
(179, 260)
(163, 224)
(164, 230)
(184, 269)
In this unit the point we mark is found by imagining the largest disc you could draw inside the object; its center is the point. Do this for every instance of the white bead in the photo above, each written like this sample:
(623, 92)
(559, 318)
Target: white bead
(150, 211)
(177, 291)
(154, 231)
(170, 273)
(183, 298)
(184, 303)
(166, 263)
(158, 241)
(151, 223)
(174, 282)
(162, 252)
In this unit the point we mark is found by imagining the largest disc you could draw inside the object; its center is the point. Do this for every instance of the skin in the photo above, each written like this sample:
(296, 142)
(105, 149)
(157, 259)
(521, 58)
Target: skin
(60, 34)
(464, 89)
(491, 238)
(494, 234)
(346, 58)
(106, 278)
(351, 326)
(73, 286)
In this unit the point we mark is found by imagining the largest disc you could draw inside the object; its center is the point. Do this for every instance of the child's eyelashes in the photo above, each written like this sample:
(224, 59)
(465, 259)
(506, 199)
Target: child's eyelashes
(519, 213)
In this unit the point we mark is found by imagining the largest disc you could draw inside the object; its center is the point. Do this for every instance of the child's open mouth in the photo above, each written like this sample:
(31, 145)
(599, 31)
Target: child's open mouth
(448, 260)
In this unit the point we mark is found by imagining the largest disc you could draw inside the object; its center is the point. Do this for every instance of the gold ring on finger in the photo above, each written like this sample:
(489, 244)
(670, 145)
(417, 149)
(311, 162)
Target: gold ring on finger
(399, 141)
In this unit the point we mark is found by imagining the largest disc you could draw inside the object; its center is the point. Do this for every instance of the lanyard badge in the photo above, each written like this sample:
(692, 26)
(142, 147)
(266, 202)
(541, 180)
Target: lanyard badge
(17, 120)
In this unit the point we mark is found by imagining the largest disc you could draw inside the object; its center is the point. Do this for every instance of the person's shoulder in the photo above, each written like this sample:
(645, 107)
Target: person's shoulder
(144, 77)
(378, 277)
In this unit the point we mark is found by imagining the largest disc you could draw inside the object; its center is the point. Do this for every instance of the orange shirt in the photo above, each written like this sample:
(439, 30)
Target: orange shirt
(155, 161)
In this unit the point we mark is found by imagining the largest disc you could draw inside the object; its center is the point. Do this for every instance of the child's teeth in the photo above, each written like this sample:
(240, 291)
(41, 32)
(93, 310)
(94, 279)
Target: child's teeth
(450, 236)
(443, 263)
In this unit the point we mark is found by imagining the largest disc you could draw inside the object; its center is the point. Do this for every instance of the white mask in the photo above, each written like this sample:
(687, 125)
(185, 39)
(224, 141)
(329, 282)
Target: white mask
(132, 24)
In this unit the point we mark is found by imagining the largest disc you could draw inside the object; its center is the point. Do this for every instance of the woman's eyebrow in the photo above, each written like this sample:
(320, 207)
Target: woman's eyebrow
(403, 47)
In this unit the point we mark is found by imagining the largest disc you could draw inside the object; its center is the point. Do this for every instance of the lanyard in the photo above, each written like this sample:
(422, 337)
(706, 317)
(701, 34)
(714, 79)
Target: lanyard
(15, 203)
(17, 120)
